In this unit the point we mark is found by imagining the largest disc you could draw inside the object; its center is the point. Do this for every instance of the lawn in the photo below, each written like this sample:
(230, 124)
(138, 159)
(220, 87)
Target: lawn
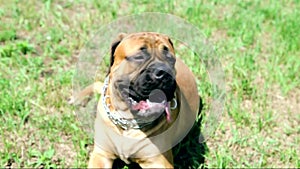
(257, 43)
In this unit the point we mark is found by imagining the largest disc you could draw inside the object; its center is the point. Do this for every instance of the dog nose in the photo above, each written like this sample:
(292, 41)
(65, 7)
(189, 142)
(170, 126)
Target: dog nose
(160, 71)
(159, 74)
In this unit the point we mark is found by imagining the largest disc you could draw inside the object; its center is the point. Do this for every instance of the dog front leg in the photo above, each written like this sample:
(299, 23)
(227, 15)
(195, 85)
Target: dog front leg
(98, 160)
(160, 161)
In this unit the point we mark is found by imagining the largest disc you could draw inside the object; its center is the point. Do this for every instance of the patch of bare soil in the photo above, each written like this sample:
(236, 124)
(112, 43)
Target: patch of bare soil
(65, 150)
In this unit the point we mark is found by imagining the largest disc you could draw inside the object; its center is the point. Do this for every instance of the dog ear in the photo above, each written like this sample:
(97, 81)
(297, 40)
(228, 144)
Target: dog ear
(113, 47)
(171, 43)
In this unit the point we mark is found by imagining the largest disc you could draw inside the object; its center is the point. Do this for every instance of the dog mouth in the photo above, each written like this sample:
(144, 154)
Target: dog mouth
(151, 107)
(149, 101)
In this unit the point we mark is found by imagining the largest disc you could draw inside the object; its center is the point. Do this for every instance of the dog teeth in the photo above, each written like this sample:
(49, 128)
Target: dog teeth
(132, 101)
(149, 102)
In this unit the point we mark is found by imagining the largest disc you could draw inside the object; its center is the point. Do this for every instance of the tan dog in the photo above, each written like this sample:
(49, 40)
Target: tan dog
(149, 101)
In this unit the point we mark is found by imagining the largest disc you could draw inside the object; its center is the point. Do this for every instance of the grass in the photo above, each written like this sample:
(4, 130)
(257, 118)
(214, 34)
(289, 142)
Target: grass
(258, 44)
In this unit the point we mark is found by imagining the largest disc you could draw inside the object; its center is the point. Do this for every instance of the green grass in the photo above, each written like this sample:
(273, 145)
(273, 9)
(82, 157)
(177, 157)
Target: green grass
(258, 44)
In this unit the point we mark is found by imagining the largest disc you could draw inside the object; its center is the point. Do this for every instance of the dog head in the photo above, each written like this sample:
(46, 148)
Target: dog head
(142, 69)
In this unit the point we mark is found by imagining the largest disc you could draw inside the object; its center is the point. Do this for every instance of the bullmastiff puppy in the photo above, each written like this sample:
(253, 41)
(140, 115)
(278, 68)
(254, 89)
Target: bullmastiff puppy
(149, 101)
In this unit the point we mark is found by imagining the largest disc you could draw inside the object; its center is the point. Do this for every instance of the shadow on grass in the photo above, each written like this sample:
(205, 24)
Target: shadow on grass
(189, 153)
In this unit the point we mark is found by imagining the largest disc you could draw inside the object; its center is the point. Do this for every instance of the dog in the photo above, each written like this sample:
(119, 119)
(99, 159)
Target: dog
(149, 100)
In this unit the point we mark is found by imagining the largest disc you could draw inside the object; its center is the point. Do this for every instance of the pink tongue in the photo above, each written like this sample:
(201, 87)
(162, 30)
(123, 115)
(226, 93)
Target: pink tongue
(143, 105)
(167, 109)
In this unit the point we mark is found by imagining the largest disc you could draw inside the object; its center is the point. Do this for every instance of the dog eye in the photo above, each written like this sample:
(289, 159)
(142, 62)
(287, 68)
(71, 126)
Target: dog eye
(168, 55)
(166, 49)
(139, 58)
(143, 48)
(166, 52)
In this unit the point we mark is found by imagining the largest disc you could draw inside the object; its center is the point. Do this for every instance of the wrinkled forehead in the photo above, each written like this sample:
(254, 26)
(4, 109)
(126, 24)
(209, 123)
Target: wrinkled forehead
(134, 42)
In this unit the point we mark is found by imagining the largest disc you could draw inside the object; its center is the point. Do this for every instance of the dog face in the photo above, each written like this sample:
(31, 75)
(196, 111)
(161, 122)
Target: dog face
(143, 68)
